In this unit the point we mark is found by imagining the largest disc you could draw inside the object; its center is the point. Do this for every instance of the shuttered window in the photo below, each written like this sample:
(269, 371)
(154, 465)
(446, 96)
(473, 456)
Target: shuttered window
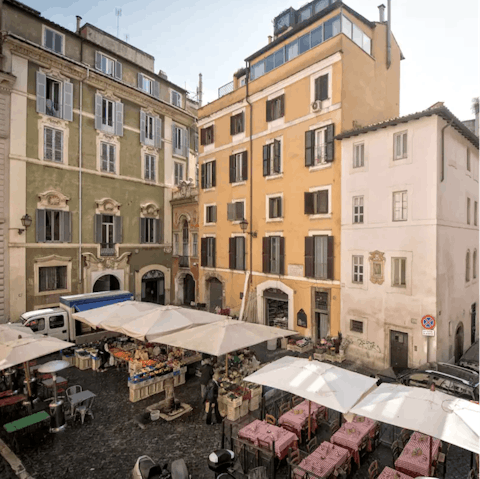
(319, 146)
(272, 158)
(276, 108)
(107, 157)
(358, 155)
(53, 40)
(238, 167)
(399, 272)
(357, 266)
(275, 207)
(400, 206)
(207, 135)
(107, 112)
(52, 278)
(149, 230)
(53, 98)
(237, 124)
(321, 87)
(150, 167)
(209, 175)
(357, 209)
(179, 172)
(207, 253)
(400, 145)
(53, 226)
(180, 141)
(236, 211)
(195, 245)
(108, 115)
(316, 203)
(236, 253)
(176, 99)
(149, 128)
(319, 257)
(53, 145)
(211, 214)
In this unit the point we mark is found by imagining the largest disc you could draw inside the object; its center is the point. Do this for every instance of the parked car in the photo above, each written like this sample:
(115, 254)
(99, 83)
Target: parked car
(470, 359)
(448, 378)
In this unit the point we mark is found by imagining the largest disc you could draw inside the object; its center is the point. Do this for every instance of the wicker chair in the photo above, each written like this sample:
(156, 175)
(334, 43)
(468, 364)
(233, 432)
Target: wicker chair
(294, 456)
(296, 400)
(396, 450)
(270, 419)
(284, 408)
(289, 426)
(311, 445)
(373, 470)
(404, 437)
(334, 426)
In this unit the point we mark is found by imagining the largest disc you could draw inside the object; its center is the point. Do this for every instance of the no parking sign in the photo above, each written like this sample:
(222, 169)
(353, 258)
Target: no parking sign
(428, 325)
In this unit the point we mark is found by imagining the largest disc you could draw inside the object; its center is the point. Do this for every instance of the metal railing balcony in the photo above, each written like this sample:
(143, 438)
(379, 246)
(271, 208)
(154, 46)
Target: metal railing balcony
(107, 249)
(225, 89)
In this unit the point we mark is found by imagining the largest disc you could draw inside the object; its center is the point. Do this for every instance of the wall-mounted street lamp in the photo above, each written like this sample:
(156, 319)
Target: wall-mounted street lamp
(244, 226)
(26, 222)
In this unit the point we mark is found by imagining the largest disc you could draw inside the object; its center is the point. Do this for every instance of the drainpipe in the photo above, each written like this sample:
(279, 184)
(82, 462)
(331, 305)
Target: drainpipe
(389, 27)
(247, 82)
(443, 148)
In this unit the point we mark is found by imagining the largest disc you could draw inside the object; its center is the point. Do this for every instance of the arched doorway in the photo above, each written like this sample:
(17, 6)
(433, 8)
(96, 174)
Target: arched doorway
(153, 287)
(215, 289)
(459, 342)
(107, 282)
(188, 289)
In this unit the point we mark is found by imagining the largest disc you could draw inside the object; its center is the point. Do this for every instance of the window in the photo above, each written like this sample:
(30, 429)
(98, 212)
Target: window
(319, 146)
(469, 166)
(236, 210)
(207, 135)
(107, 230)
(474, 264)
(303, 43)
(358, 155)
(107, 65)
(52, 278)
(475, 213)
(236, 253)
(276, 108)
(57, 321)
(291, 50)
(305, 13)
(316, 203)
(176, 99)
(331, 27)
(53, 145)
(37, 324)
(357, 263)
(320, 5)
(179, 168)
(176, 244)
(321, 87)
(275, 207)
(400, 145)
(237, 124)
(149, 128)
(107, 157)
(319, 257)
(467, 267)
(179, 141)
(53, 226)
(150, 230)
(399, 272)
(208, 252)
(185, 241)
(147, 85)
(238, 167)
(356, 326)
(150, 167)
(400, 206)
(53, 104)
(358, 209)
(108, 115)
(107, 112)
(468, 211)
(275, 254)
(195, 245)
(211, 214)
(53, 40)
(272, 160)
(209, 175)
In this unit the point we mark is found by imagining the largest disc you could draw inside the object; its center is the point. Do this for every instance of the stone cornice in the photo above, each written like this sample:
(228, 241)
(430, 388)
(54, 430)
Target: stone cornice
(6, 81)
(79, 71)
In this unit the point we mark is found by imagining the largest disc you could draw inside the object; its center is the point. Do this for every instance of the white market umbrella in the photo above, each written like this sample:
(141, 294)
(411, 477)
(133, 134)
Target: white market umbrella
(439, 415)
(145, 321)
(322, 383)
(223, 336)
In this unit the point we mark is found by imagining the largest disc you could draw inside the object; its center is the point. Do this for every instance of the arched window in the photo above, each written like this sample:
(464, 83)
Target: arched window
(474, 275)
(185, 238)
(467, 266)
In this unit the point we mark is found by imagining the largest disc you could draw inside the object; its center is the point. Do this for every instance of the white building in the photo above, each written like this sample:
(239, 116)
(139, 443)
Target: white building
(409, 239)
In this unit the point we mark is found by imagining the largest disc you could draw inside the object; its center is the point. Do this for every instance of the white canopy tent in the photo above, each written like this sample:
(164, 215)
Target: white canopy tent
(437, 414)
(145, 321)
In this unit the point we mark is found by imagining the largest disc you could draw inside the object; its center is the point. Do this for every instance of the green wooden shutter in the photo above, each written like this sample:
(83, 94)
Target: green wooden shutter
(203, 252)
(276, 156)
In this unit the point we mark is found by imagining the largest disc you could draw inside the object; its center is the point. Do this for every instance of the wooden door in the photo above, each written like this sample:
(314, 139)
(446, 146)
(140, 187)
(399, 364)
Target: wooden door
(398, 349)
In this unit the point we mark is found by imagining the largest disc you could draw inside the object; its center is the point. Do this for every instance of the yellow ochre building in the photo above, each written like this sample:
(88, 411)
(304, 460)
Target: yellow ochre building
(269, 202)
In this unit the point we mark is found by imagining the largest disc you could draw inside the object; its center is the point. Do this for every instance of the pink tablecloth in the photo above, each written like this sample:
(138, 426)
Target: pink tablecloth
(352, 434)
(266, 432)
(417, 465)
(389, 473)
(298, 421)
(324, 461)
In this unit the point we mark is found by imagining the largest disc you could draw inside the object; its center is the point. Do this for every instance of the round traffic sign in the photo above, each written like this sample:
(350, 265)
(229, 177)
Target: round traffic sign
(428, 322)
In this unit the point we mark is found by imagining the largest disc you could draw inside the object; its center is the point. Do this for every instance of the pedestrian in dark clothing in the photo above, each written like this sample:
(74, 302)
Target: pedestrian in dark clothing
(104, 355)
(211, 400)
(206, 376)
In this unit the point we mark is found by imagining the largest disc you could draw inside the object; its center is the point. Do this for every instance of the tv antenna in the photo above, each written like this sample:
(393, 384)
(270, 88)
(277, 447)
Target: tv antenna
(127, 37)
(118, 13)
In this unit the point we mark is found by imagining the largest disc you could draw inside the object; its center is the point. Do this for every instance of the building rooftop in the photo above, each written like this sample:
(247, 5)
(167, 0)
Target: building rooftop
(437, 109)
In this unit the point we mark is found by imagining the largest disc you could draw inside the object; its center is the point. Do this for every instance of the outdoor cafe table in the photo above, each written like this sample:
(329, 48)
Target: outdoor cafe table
(26, 425)
(327, 459)
(389, 473)
(352, 435)
(78, 398)
(11, 400)
(300, 419)
(414, 459)
(260, 430)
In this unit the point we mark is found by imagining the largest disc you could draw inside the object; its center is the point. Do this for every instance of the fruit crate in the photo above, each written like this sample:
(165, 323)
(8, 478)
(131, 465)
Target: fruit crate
(244, 408)
(233, 413)
(254, 403)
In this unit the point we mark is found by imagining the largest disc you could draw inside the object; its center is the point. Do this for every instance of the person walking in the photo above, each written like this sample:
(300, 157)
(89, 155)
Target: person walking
(104, 355)
(211, 400)
(206, 376)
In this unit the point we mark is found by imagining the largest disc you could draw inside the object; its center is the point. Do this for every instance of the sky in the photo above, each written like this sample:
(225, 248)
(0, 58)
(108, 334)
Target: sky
(439, 40)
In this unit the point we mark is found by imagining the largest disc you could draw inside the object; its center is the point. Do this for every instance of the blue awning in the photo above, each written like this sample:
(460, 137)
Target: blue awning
(98, 304)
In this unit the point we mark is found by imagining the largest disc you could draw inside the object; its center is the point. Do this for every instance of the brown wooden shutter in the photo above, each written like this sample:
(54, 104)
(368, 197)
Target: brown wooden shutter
(232, 125)
(239, 213)
(214, 173)
(269, 110)
(309, 147)
(309, 203)
(266, 254)
(242, 122)
(282, 106)
(232, 168)
(203, 252)
(322, 202)
(330, 258)
(323, 87)
(330, 143)
(276, 156)
(309, 256)
(213, 134)
(214, 214)
(266, 160)
(244, 166)
(282, 255)
(230, 211)
(214, 251)
(203, 136)
(232, 252)
(270, 207)
(317, 88)
(203, 181)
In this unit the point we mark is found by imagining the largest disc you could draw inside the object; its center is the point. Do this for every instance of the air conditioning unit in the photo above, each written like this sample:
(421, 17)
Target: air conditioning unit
(317, 105)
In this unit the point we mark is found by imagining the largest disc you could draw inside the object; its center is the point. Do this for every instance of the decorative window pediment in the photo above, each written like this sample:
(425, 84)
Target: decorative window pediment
(53, 199)
(108, 206)
(53, 258)
(149, 210)
(377, 267)
(109, 95)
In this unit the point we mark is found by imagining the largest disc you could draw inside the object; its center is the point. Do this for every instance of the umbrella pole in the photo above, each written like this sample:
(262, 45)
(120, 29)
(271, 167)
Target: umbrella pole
(226, 365)
(27, 378)
(309, 420)
(430, 454)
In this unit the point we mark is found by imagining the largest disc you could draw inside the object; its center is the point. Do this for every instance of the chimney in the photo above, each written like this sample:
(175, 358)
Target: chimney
(381, 9)
(269, 38)
(79, 19)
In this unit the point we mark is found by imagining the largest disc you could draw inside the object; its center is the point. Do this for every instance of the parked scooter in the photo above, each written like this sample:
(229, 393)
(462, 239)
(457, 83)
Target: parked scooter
(223, 462)
(146, 468)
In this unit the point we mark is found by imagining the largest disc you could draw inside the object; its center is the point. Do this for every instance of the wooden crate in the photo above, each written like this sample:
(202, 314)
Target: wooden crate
(254, 403)
(233, 413)
(298, 349)
(319, 356)
(84, 363)
(244, 408)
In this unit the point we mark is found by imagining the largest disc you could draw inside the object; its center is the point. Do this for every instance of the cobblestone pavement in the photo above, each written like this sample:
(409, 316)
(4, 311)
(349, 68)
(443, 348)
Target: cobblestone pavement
(108, 445)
